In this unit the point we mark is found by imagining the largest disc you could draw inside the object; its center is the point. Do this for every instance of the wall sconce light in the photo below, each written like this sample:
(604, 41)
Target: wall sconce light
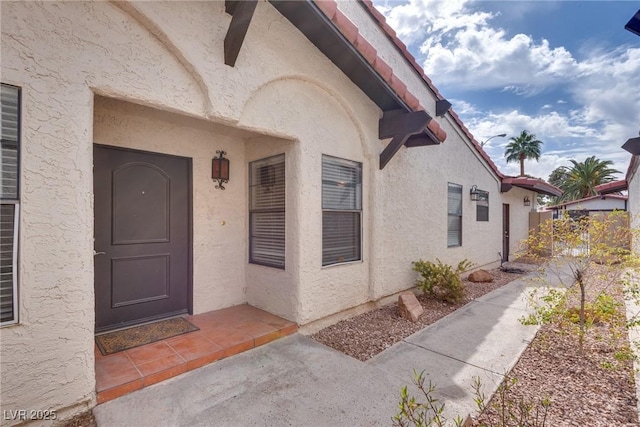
(527, 202)
(475, 194)
(220, 169)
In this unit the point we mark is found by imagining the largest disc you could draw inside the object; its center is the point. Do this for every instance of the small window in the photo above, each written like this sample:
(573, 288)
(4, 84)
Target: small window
(267, 212)
(454, 210)
(9, 202)
(482, 206)
(341, 210)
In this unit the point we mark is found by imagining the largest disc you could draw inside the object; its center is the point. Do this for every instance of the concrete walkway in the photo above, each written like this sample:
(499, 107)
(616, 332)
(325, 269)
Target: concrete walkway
(297, 381)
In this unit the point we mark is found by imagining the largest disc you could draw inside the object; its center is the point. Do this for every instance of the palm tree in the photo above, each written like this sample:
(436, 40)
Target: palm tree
(524, 146)
(558, 178)
(583, 177)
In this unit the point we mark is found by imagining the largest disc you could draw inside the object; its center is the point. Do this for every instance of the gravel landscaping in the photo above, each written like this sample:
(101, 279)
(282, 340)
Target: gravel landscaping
(366, 335)
(594, 387)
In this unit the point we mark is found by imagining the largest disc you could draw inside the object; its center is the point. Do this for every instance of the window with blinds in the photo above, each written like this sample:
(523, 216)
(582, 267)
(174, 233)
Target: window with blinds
(341, 210)
(454, 210)
(482, 206)
(9, 199)
(267, 211)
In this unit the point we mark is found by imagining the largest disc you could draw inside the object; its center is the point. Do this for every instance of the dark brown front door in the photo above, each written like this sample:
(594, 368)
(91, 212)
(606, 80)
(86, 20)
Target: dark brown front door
(505, 232)
(142, 236)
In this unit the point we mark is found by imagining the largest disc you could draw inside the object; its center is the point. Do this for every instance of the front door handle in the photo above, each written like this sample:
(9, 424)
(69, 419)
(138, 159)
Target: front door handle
(98, 253)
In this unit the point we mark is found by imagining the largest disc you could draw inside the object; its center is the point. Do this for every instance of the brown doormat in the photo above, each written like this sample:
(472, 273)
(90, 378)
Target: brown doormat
(113, 342)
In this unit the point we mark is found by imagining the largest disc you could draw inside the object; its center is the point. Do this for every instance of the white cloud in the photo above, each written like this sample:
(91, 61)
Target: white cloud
(460, 48)
(565, 137)
(463, 107)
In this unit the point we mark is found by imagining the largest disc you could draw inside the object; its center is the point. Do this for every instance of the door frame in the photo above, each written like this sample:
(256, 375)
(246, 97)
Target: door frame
(506, 231)
(189, 161)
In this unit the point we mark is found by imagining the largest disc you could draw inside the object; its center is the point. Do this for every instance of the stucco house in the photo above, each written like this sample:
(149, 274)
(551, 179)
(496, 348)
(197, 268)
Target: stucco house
(345, 164)
(631, 183)
(590, 205)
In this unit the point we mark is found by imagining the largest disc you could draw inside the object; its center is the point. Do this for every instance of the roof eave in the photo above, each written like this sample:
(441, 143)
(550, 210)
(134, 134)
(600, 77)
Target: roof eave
(531, 184)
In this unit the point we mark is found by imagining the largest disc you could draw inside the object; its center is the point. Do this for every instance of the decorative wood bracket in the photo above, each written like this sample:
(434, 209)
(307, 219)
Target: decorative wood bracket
(442, 106)
(632, 145)
(242, 12)
(401, 125)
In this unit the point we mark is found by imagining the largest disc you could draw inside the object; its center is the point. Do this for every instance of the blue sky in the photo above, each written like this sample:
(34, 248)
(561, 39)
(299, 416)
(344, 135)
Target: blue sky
(566, 71)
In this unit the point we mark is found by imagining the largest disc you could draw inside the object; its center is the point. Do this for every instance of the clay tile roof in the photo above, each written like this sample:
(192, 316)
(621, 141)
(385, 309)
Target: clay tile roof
(346, 27)
(350, 31)
(537, 185)
(533, 184)
(611, 187)
(328, 7)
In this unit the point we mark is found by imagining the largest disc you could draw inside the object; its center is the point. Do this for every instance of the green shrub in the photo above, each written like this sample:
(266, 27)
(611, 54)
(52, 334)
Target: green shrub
(412, 413)
(440, 280)
(505, 409)
(551, 308)
(547, 308)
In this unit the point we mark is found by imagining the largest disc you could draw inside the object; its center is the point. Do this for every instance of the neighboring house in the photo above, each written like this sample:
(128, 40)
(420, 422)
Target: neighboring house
(631, 183)
(590, 205)
(346, 164)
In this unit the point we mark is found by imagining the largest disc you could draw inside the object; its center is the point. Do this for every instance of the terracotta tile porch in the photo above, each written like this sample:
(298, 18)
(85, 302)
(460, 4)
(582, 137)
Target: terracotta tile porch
(222, 333)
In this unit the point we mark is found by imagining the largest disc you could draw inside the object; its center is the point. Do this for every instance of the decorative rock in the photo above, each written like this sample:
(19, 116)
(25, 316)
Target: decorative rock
(480, 276)
(410, 307)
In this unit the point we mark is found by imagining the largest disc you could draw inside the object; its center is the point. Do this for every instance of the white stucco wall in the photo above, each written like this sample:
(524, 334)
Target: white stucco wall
(326, 127)
(168, 55)
(273, 289)
(604, 203)
(219, 217)
(518, 217)
(157, 57)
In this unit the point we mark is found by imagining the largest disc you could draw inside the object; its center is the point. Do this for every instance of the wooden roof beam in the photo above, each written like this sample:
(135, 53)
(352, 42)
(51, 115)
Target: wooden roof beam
(242, 12)
(401, 125)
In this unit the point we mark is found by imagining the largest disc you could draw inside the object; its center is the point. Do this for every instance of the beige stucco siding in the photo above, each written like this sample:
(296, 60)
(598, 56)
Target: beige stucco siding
(518, 218)
(150, 56)
(328, 126)
(274, 289)
(604, 203)
(150, 76)
(413, 223)
(219, 217)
